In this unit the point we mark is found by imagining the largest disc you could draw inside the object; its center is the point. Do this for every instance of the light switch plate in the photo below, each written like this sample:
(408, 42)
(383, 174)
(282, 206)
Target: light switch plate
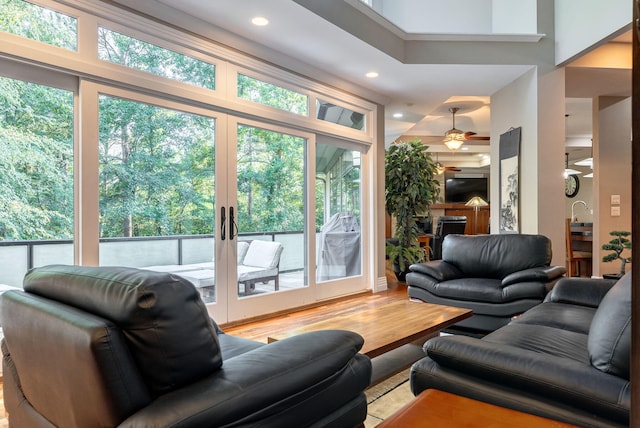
(615, 199)
(615, 211)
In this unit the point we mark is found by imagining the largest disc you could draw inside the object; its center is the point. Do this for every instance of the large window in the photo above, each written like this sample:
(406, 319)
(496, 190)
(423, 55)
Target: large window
(176, 164)
(36, 176)
(156, 180)
(270, 181)
(338, 208)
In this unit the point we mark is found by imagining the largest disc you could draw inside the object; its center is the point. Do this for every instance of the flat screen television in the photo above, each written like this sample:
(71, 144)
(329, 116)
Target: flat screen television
(458, 190)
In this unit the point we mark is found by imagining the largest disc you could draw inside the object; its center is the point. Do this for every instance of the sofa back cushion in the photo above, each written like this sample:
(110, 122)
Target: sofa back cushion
(263, 254)
(496, 256)
(73, 367)
(609, 341)
(164, 321)
(243, 247)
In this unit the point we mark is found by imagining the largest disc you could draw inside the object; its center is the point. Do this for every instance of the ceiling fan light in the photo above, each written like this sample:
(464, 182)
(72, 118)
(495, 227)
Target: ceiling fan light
(453, 144)
(569, 171)
(454, 138)
(454, 134)
(439, 168)
(585, 162)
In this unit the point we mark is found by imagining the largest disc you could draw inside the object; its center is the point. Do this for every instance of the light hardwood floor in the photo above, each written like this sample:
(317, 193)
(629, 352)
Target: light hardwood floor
(260, 329)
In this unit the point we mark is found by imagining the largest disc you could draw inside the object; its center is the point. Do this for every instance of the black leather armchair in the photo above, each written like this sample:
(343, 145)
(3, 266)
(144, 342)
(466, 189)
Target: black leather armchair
(567, 359)
(445, 226)
(88, 347)
(496, 276)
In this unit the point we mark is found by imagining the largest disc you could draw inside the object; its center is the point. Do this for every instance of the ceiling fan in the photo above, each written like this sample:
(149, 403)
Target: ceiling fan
(440, 168)
(470, 136)
(454, 138)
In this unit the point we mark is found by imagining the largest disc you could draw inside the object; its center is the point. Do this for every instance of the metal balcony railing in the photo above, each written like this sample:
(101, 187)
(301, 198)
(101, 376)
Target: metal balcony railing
(17, 257)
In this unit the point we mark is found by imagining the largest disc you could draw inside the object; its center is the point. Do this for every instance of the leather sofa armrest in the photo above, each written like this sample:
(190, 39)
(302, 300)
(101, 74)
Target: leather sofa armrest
(556, 378)
(437, 269)
(580, 291)
(304, 377)
(539, 274)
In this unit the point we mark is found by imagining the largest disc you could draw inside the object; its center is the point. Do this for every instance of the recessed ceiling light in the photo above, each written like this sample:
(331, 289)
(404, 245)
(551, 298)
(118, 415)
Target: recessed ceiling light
(465, 148)
(260, 21)
(397, 115)
(372, 74)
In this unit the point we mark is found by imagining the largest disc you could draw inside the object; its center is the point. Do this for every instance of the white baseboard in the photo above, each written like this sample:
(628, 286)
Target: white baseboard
(381, 284)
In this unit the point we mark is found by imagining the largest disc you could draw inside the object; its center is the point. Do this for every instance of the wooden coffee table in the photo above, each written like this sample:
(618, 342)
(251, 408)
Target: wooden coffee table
(388, 326)
(438, 409)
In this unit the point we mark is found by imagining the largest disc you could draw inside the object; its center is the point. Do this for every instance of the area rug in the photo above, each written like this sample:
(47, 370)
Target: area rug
(386, 397)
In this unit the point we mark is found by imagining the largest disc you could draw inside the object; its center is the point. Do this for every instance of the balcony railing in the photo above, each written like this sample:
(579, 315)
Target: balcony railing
(17, 257)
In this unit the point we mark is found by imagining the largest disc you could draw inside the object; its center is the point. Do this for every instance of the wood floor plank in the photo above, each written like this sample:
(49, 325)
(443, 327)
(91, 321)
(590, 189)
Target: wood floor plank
(259, 330)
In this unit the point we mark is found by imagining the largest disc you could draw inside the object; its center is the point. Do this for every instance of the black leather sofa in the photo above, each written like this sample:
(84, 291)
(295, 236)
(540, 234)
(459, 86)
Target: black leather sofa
(567, 359)
(497, 276)
(88, 347)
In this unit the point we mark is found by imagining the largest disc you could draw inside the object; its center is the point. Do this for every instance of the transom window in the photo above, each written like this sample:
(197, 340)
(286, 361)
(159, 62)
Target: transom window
(124, 50)
(271, 95)
(38, 23)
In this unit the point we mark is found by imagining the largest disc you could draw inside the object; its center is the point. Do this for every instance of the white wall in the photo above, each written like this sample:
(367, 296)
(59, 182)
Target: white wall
(437, 16)
(461, 16)
(515, 17)
(612, 174)
(516, 106)
(579, 25)
(535, 103)
(551, 150)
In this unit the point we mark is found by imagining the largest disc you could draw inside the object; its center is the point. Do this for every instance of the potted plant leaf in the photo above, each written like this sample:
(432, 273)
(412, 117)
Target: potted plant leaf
(616, 246)
(410, 189)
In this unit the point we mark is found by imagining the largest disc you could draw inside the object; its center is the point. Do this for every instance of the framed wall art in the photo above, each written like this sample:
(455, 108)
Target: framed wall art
(510, 181)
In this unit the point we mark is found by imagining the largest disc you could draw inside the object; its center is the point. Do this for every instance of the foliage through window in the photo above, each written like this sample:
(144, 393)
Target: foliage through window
(36, 161)
(156, 170)
(124, 50)
(271, 95)
(38, 23)
(270, 181)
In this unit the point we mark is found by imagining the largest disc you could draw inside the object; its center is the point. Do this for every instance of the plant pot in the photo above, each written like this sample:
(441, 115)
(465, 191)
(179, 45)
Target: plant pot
(400, 275)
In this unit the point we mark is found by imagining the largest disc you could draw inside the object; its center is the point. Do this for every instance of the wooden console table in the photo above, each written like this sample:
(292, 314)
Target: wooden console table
(438, 409)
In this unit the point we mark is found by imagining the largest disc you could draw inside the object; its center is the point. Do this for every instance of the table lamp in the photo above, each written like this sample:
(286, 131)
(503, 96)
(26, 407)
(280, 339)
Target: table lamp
(476, 202)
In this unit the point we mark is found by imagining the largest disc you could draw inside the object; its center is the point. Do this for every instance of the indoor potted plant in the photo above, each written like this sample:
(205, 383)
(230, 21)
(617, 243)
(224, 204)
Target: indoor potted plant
(410, 189)
(617, 245)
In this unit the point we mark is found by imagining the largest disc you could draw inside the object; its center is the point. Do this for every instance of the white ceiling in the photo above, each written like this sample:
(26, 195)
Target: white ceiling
(422, 92)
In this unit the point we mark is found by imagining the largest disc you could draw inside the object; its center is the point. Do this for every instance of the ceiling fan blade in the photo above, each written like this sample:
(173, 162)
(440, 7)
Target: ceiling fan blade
(452, 168)
(471, 137)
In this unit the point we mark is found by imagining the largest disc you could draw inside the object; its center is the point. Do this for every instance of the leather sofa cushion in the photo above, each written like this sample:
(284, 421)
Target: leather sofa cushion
(67, 363)
(610, 333)
(562, 316)
(543, 340)
(486, 290)
(163, 319)
(496, 256)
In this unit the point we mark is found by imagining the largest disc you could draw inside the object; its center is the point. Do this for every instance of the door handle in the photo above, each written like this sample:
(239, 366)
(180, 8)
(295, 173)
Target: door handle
(232, 224)
(223, 223)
